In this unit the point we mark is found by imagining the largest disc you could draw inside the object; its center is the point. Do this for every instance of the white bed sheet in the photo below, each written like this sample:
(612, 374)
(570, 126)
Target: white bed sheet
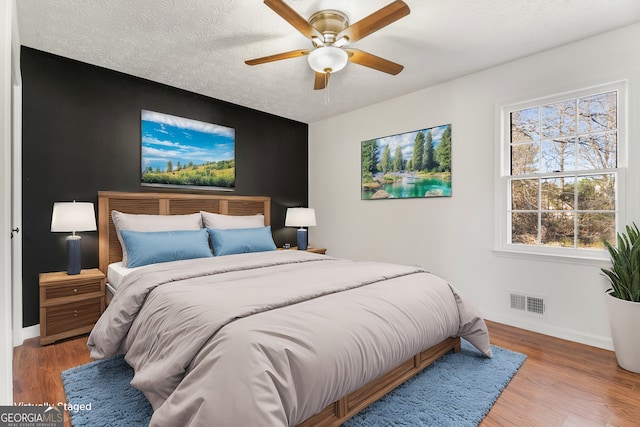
(116, 272)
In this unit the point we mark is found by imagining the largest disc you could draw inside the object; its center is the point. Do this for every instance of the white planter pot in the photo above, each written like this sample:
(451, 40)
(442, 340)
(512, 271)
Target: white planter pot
(624, 317)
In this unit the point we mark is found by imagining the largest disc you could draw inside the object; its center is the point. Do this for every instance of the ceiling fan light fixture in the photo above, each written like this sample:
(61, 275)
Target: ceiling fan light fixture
(330, 32)
(328, 59)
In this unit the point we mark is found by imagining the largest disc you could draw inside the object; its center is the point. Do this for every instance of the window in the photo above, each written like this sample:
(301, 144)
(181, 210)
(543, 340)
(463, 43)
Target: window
(561, 172)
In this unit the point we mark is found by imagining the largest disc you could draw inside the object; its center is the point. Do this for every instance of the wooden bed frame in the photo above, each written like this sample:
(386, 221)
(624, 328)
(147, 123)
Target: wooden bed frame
(181, 203)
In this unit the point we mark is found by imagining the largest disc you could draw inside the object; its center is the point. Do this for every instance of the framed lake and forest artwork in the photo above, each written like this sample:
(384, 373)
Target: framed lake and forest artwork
(179, 152)
(408, 165)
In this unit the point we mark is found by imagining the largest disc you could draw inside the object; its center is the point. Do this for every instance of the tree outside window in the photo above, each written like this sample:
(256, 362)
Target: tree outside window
(563, 171)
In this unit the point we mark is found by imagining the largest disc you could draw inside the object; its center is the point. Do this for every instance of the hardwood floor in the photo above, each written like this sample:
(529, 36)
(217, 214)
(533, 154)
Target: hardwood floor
(36, 370)
(561, 384)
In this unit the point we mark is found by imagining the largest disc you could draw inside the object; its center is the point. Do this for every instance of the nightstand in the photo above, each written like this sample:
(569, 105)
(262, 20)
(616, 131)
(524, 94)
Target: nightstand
(314, 250)
(317, 250)
(70, 305)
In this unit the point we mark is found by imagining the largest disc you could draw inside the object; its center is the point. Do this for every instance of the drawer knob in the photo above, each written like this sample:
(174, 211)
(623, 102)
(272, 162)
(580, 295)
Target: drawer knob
(75, 313)
(75, 290)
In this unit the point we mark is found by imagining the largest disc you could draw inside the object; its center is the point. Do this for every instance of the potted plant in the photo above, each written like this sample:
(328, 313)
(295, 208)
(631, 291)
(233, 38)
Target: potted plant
(623, 299)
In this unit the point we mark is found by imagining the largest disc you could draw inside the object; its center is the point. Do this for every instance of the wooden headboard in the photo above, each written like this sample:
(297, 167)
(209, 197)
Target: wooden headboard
(109, 249)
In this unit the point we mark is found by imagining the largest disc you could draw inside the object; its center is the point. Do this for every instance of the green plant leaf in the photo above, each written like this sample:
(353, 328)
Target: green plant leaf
(624, 274)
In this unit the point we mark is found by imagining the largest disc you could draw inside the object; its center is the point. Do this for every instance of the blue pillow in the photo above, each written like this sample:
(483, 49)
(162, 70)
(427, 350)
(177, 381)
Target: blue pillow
(150, 247)
(241, 240)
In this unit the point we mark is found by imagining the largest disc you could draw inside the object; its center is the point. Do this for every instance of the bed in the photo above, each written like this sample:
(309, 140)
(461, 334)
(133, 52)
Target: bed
(272, 337)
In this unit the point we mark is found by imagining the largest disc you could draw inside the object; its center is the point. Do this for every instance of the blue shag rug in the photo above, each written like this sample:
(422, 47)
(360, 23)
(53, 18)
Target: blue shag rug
(457, 390)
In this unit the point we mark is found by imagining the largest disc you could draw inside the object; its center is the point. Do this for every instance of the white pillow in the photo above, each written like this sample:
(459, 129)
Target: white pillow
(225, 222)
(140, 222)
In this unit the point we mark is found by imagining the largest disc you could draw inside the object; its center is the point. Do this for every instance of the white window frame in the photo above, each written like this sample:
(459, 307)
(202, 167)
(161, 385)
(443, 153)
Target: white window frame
(503, 221)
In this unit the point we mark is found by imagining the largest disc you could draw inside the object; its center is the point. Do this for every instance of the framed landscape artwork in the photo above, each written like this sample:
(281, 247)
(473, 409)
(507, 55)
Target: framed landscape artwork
(183, 153)
(408, 165)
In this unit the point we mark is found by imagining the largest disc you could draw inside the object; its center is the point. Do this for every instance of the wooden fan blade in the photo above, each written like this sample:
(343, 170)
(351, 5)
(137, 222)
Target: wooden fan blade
(278, 57)
(292, 17)
(368, 60)
(377, 20)
(321, 81)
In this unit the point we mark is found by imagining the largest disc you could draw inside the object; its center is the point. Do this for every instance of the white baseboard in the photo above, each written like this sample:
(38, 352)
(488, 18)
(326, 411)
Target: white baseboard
(562, 333)
(25, 334)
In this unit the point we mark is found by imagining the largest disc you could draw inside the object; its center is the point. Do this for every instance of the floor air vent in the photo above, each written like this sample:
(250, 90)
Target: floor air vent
(527, 303)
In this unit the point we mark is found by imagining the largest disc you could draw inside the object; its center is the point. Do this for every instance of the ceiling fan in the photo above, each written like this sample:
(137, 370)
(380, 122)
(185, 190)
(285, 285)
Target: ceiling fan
(329, 32)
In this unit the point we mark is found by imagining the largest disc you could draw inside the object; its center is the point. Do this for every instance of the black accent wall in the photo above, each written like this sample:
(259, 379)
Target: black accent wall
(81, 135)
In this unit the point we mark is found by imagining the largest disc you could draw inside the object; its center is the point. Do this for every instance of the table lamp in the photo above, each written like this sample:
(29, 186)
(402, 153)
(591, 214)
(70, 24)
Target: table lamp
(301, 217)
(71, 217)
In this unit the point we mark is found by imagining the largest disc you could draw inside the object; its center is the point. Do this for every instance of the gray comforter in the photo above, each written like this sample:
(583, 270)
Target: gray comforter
(270, 339)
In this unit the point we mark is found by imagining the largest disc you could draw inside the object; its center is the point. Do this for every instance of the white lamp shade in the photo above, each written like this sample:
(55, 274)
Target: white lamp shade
(73, 216)
(300, 217)
(328, 59)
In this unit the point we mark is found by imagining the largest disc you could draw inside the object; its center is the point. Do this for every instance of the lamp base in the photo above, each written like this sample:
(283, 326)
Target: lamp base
(73, 255)
(302, 239)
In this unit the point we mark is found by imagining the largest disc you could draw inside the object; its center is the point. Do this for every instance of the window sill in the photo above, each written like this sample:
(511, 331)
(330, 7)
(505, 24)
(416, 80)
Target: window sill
(600, 259)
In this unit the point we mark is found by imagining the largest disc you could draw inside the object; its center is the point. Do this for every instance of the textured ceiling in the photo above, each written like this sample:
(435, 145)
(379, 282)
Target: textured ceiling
(201, 45)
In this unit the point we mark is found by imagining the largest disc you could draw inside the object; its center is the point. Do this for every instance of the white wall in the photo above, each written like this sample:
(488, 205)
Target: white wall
(454, 237)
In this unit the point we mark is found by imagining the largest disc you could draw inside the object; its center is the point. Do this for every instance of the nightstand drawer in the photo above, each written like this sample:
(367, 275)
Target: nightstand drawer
(74, 315)
(53, 292)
